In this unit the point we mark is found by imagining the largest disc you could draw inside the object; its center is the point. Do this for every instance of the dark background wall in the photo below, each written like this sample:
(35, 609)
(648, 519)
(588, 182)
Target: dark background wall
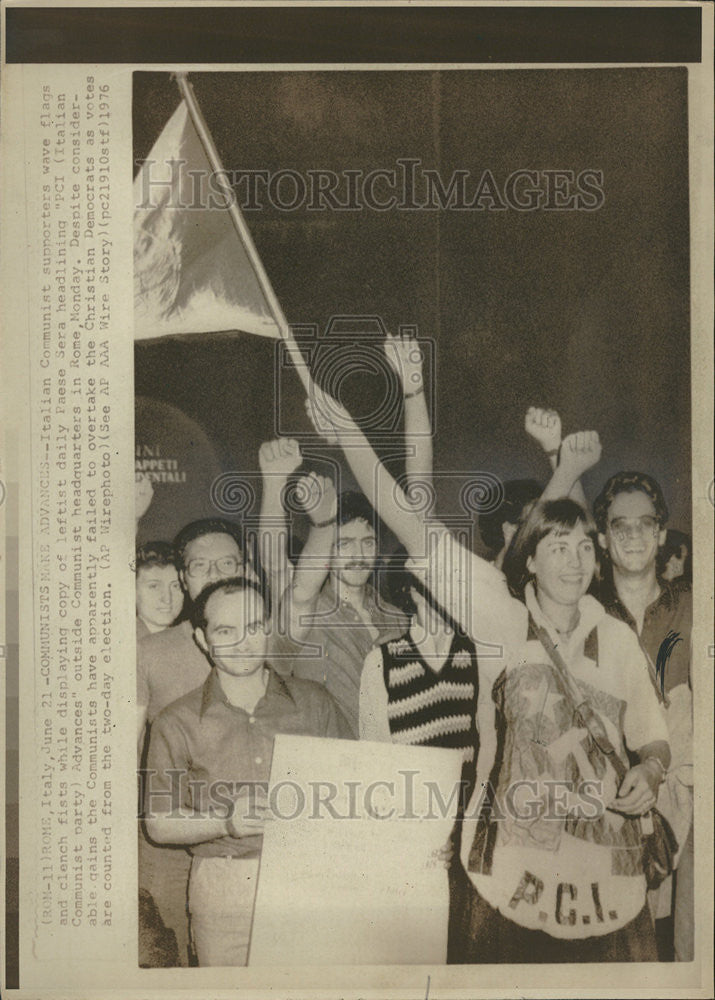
(586, 312)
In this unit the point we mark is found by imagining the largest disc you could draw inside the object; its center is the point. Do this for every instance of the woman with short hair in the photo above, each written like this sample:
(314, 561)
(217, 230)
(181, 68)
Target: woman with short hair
(551, 842)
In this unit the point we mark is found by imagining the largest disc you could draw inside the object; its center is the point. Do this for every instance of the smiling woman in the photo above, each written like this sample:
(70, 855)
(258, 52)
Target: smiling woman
(556, 548)
(159, 596)
(563, 565)
(560, 875)
(551, 857)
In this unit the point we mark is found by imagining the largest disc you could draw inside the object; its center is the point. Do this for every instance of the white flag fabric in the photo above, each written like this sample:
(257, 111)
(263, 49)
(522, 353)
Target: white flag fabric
(192, 273)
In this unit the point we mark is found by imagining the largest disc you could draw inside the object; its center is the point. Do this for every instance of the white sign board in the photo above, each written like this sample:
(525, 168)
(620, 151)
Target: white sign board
(350, 869)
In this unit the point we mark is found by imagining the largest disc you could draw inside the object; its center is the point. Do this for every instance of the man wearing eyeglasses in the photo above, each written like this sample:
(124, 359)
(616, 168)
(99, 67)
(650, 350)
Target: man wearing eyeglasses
(631, 514)
(170, 664)
(209, 763)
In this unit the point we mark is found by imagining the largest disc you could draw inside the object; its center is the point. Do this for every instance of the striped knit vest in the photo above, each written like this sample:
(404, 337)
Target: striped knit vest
(433, 709)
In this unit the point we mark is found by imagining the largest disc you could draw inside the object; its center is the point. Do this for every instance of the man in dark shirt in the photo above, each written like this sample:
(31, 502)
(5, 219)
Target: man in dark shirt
(209, 762)
(631, 513)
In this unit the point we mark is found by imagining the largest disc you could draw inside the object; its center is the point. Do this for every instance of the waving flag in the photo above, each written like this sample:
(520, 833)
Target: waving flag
(194, 269)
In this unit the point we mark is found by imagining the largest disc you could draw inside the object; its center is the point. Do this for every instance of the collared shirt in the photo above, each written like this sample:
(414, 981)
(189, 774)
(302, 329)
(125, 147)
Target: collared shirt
(665, 636)
(344, 640)
(170, 664)
(203, 748)
(666, 641)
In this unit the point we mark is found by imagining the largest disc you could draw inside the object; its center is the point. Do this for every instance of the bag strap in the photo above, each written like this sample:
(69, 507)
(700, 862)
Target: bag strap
(580, 705)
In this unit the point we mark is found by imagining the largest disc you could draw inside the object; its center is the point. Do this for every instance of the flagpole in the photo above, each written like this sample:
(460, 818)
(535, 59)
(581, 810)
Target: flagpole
(187, 92)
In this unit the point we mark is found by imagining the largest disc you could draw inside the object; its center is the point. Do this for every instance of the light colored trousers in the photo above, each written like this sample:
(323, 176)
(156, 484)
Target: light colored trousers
(222, 892)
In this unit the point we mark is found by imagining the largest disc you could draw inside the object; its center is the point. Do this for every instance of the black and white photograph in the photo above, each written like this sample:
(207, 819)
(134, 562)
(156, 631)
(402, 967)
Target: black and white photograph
(412, 378)
(356, 495)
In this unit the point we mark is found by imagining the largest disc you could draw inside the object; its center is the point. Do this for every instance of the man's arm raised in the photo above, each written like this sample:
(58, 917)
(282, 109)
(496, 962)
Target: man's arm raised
(544, 426)
(278, 460)
(318, 497)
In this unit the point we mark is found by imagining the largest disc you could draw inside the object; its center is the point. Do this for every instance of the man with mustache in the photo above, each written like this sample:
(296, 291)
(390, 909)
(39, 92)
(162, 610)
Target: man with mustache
(336, 614)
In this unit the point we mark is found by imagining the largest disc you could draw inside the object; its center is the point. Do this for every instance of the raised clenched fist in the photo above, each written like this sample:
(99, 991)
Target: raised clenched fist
(316, 495)
(280, 457)
(544, 426)
(579, 452)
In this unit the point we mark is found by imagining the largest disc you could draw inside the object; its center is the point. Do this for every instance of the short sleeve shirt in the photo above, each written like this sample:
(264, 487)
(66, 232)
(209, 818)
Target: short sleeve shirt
(342, 641)
(203, 750)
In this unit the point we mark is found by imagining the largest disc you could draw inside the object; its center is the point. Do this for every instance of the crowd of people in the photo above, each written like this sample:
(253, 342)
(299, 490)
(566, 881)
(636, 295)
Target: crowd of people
(589, 694)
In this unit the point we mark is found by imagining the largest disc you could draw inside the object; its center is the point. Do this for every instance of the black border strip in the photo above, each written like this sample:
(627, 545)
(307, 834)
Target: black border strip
(292, 34)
